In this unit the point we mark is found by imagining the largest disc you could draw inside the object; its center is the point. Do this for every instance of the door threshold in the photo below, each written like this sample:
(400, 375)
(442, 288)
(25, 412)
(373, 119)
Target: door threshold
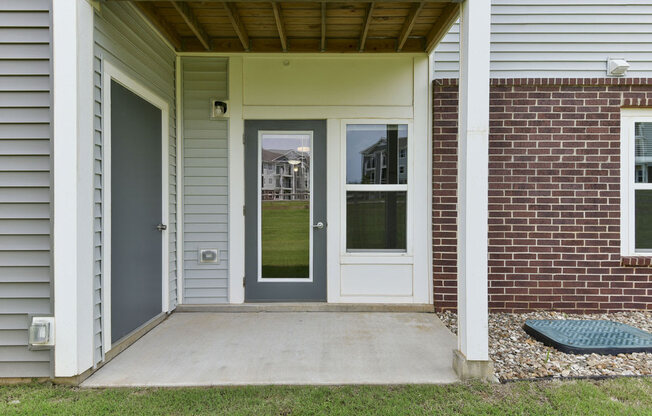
(309, 307)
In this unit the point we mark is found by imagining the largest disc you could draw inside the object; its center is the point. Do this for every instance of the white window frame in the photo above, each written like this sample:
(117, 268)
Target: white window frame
(408, 188)
(112, 73)
(628, 119)
(259, 204)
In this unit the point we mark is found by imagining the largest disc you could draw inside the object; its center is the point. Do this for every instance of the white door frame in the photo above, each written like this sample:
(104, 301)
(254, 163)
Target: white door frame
(112, 73)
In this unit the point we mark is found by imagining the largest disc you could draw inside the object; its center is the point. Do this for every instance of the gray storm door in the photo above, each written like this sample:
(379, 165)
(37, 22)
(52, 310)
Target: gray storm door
(285, 210)
(136, 210)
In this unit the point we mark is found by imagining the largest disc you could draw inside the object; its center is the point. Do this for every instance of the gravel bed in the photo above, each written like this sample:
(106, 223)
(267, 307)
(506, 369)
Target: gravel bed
(516, 355)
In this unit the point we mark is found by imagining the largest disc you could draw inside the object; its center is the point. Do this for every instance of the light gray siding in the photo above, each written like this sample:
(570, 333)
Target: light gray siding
(555, 38)
(123, 38)
(205, 181)
(25, 181)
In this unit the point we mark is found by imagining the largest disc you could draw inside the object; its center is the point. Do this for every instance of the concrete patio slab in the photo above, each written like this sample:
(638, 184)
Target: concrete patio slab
(205, 349)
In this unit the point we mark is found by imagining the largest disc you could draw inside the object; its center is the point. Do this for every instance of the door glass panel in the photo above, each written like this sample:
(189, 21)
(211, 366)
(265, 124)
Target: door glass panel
(285, 205)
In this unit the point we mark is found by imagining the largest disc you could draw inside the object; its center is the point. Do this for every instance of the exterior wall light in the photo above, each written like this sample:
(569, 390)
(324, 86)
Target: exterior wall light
(617, 67)
(41, 332)
(218, 109)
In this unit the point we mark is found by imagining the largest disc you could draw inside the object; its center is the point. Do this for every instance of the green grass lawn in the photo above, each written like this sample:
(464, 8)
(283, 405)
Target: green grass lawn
(367, 225)
(612, 397)
(285, 238)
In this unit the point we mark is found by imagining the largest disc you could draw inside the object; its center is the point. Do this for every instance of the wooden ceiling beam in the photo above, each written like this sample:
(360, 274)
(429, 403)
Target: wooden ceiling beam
(238, 26)
(191, 20)
(441, 27)
(365, 28)
(163, 27)
(323, 27)
(409, 24)
(279, 25)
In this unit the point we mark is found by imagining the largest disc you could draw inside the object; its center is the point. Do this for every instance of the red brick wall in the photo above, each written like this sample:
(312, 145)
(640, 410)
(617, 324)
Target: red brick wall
(554, 196)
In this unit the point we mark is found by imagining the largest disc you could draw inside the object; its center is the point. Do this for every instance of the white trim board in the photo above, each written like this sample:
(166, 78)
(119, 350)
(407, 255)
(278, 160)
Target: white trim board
(628, 119)
(179, 178)
(112, 73)
(72, 33)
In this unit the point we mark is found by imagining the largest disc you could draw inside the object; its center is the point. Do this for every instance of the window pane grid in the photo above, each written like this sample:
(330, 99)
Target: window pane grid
(376, 187)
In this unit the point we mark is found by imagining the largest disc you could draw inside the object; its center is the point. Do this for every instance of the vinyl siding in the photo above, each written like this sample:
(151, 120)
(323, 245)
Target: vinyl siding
(205, 186)
(25, 182)
(555, 38)
(123, 38)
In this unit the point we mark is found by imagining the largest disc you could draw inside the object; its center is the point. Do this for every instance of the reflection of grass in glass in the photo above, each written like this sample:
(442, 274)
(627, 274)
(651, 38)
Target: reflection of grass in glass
(643, 234)
(365, 226)
(285, 238)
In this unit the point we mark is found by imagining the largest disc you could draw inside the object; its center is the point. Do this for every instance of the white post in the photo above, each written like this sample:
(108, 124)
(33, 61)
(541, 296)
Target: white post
(473, 185)
(236, 182)
(73, 186)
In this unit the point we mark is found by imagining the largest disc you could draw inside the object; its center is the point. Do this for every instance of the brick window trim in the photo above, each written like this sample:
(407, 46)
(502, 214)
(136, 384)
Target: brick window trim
(636, 261)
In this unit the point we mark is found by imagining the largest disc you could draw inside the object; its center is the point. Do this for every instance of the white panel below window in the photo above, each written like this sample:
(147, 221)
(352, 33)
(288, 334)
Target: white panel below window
(376, 280)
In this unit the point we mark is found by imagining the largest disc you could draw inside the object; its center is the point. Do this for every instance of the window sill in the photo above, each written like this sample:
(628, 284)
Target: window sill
(636, 261)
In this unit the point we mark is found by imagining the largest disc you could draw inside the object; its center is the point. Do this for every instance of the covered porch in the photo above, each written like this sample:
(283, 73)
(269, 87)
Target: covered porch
(244, 348)
(216, 80)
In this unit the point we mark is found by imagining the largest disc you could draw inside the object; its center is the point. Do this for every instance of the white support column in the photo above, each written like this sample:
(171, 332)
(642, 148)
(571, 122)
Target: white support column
(236, 182)
(73, 186)
(472, 357)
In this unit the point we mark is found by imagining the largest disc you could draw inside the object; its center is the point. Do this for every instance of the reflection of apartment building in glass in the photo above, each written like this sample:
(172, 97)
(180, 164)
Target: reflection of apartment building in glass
(285, 175)
(376, 158)
(643, 152)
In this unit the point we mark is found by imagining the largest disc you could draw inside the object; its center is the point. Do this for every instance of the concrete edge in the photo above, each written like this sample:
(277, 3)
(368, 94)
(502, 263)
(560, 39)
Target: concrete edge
(10, 381)
(309, 307)
(120, 346)
(127, 341)
(473, 369)
(116, 349)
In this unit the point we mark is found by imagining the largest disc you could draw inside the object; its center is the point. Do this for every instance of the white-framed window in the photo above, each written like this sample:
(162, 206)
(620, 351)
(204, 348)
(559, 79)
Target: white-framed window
(636, 182)
(376, 204)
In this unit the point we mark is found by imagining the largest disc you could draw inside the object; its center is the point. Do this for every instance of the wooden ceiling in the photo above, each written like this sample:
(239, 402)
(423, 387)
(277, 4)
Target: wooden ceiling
(301, 26)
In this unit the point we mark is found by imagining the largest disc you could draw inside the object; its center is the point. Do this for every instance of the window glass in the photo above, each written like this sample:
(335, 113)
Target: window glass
(643, 153)
(643, 214)
(375, 154)
(376, 220)
(285, 205)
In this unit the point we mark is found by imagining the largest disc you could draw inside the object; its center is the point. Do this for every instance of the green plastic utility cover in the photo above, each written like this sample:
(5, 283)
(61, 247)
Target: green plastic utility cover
(589, 336)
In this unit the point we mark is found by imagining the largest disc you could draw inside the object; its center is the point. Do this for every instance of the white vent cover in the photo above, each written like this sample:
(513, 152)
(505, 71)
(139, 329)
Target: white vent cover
(617, 67)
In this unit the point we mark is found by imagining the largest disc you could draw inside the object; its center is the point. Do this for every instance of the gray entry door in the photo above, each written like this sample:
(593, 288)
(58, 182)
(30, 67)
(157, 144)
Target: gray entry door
(136, 210)
(285, 210)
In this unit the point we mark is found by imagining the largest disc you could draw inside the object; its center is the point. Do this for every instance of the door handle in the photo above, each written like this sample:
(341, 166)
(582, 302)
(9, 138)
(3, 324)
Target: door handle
(161, 227)
(320, 225)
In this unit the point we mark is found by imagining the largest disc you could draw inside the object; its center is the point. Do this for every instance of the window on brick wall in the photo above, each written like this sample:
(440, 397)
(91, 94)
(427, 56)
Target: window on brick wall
(636, 182)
